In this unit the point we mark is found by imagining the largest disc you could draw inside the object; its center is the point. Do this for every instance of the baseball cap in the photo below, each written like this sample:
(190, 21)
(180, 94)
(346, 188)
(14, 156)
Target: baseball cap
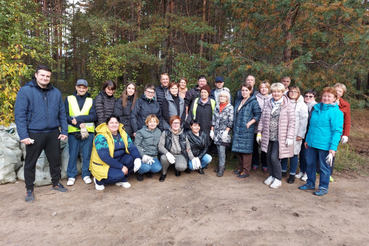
(82, 82)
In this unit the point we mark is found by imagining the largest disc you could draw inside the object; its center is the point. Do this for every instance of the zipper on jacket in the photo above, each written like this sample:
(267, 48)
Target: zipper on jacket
(47, 110)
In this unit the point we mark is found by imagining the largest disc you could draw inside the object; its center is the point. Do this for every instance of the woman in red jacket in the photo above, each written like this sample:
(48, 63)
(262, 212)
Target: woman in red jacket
(344, 106)
(345, 109)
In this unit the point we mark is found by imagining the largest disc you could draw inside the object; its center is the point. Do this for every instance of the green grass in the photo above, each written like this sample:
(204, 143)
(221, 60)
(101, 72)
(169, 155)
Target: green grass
(347, 160)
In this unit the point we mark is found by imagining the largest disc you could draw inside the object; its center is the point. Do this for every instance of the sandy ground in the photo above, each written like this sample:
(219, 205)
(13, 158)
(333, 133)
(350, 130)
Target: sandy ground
(188, 210)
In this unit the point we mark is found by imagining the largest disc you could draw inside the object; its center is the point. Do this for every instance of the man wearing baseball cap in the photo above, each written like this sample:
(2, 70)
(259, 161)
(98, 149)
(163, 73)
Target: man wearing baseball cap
(81, 115)
(219, 84)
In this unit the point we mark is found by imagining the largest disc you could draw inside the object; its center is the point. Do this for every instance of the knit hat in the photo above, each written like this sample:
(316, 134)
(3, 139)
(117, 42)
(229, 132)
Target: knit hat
(207, 88)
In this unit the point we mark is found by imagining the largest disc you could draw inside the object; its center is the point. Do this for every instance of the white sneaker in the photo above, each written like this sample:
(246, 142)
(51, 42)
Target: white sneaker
(98, 187)
(71, 181)
(269, 180)
(87, 180)
(299, 175)
(123, 184)
(304, 177)
(276, 183)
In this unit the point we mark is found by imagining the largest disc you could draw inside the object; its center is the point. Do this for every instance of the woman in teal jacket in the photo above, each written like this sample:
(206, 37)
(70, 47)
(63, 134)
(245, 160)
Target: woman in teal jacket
(324, 134)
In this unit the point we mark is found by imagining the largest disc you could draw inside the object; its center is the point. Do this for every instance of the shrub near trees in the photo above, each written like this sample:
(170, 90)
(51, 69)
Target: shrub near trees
(316, 42)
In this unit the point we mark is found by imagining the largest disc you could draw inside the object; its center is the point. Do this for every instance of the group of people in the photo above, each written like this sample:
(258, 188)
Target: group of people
(171, 125)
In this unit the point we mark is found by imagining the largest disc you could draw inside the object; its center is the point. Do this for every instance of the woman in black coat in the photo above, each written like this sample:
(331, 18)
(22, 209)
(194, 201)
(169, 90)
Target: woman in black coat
(105, 101)
(124, 105)
(145, 106)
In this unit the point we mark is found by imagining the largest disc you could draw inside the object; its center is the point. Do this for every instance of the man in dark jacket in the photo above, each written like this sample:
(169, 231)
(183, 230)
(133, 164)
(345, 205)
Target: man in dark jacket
(250, 79)
(81, 115)
(286, 81)
(39, 112)
(194, 92)
(162, 91)
(219, 84)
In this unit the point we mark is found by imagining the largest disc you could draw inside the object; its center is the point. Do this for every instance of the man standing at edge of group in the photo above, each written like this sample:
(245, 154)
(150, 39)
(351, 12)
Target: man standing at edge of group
(39, 112)
(81, 115)
(250, 79)
(286, 81)
(162, 91)
(194, 92)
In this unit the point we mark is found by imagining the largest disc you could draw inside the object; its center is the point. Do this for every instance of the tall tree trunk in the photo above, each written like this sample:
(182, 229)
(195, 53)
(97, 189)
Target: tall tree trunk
(358, 85)
(204, 19)
(288, 24)
(367, 85)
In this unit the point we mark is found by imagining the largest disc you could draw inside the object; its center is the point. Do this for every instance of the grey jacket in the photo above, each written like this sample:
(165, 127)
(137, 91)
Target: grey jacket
(172, 109)
(147, 141)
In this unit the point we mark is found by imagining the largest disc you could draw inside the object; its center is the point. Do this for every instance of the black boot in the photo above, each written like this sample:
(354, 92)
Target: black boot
(284, 174)
(139, 177)
(148, 175)
(221, 171)
(201, 171)
(162, 177)
(188, 170)
(291, 179)
(177, 173)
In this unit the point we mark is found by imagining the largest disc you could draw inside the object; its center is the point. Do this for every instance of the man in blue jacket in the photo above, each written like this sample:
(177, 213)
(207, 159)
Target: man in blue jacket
(81, 115)
(39, 112)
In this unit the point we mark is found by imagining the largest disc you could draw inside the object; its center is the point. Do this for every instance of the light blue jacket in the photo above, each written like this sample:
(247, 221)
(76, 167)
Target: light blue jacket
(325, 127)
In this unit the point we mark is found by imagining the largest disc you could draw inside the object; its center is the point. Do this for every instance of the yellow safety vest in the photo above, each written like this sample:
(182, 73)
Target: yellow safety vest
(98, 168)
(212, 102)
(75, 111)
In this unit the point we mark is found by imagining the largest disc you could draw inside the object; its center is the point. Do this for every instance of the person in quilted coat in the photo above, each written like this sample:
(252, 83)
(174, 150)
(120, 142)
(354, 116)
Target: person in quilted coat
(246, 113)
(276, 131)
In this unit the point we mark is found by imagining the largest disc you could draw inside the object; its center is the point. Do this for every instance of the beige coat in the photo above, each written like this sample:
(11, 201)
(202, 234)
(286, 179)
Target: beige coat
(286, 127)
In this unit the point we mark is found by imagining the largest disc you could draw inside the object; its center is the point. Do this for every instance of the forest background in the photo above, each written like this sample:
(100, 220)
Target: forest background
(316, 42)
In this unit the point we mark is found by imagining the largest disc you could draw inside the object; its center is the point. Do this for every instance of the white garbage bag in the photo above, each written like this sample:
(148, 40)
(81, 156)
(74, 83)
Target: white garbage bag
(8, 161)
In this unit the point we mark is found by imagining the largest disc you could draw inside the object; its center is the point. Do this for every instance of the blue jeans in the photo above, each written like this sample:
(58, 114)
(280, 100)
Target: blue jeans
(294, 160)
(116, 175)
(77, 146)
(154, 167)
(312, 155)
(204, 161)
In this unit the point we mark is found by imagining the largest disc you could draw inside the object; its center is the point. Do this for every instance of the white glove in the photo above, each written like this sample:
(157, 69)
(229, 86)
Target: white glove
(137, 164)
(344, 139)
(146, 158)
(151, 161)
(329, 159)
(211, 134)
(196, 163)
(258, 138)
(289, 142)
(84, 133)
(225, 136)
(32, 141)
(170, 158)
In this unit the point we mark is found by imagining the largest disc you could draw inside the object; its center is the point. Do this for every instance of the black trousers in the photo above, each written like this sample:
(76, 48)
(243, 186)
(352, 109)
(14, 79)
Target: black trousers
(274, 164)
(49, 142)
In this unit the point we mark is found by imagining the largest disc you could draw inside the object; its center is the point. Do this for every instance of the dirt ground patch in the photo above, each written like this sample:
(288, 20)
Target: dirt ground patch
(188, 210)
(193, 209)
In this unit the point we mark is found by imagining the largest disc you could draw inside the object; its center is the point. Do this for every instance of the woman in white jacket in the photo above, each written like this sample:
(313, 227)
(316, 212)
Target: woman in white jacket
(301, 117)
